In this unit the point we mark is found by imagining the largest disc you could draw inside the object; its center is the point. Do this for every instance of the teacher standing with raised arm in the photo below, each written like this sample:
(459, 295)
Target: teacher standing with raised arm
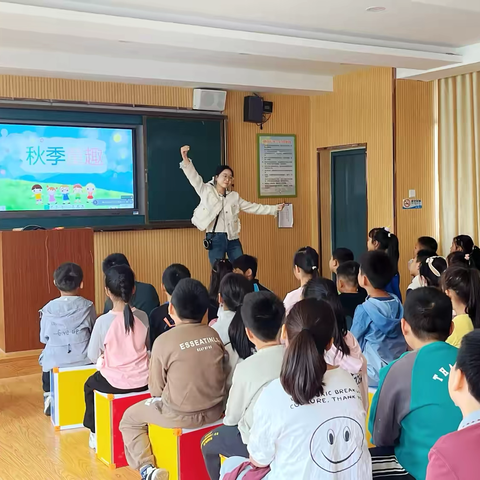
(217, 213)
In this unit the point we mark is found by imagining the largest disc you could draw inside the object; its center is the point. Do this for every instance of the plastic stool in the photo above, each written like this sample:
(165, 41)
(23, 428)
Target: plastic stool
(178, 450)
(371, 393)
(109, 410)
(68, 397)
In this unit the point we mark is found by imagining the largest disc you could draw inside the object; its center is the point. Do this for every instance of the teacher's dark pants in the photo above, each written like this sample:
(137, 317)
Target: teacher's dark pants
(222, 246)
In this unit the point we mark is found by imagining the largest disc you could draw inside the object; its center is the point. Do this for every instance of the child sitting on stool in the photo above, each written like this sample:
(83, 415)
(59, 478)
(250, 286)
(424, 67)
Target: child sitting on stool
(65, 326)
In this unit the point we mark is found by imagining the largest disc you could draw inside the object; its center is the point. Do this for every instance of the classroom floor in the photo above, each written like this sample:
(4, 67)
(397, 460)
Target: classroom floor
(30, 448)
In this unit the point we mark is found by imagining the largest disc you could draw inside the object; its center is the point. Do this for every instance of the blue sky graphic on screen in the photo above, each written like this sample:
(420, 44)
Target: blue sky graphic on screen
(65, 168)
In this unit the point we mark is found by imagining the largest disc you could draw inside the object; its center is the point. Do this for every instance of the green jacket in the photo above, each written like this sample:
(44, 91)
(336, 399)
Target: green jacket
(412, 409)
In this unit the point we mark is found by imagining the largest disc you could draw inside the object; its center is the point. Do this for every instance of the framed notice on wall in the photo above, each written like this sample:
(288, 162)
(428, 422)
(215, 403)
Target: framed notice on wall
(277, 165)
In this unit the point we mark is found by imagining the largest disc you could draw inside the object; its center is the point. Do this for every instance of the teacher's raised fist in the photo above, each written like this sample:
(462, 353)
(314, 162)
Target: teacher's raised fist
(184, 151)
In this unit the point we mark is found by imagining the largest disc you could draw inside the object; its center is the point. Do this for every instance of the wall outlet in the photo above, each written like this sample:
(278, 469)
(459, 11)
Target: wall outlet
(411, 193)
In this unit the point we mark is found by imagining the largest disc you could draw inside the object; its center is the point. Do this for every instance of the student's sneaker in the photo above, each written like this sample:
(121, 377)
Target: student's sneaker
(149, 472)
(47, 404)
(92, 441)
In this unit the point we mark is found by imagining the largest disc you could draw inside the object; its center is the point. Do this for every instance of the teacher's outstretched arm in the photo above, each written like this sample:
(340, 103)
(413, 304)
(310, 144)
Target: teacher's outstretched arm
(259, 209)
(192, 175)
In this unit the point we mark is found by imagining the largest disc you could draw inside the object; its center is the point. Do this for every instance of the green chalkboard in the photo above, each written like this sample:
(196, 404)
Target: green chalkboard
(170, 196)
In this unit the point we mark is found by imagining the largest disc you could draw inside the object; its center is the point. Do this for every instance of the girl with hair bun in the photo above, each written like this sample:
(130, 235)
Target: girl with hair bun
(305, 268)
(465, 244)
(431, 270)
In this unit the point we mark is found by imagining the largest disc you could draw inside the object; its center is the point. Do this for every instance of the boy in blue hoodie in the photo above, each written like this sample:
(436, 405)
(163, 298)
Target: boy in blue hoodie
(65, 326)
(376, 323)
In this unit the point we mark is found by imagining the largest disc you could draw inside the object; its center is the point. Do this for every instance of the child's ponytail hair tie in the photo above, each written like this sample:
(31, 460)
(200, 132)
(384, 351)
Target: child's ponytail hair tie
(432, 268)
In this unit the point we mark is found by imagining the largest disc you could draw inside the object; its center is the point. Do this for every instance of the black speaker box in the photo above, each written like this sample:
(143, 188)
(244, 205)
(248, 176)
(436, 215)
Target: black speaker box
(253, 109)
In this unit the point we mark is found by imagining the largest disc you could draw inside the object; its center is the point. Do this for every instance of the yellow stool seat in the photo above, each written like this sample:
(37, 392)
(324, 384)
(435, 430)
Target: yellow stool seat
(178, 450)
(109, 410)
(68, 397)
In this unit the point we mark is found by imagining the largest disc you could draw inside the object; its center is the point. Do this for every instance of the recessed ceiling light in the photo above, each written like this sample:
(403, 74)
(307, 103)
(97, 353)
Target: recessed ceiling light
(376, 9)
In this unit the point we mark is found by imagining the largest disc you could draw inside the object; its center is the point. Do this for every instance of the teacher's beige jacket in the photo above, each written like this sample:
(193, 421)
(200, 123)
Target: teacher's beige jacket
(212, 203)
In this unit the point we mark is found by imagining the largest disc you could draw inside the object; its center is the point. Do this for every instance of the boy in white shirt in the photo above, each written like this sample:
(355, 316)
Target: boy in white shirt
(263, 314)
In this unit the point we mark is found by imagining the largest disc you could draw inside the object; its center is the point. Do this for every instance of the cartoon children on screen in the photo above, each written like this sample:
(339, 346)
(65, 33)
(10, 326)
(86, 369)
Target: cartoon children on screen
(51, 191)
(37, 193)
(64, 190)
(77, 191)
(90, 187)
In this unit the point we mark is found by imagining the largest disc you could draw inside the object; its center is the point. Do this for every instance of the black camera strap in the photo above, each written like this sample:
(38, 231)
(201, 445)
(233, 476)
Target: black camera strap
(218, 216)
(216, 221)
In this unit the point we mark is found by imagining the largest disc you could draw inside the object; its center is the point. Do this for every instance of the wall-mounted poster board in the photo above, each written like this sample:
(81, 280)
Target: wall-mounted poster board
(277, 166)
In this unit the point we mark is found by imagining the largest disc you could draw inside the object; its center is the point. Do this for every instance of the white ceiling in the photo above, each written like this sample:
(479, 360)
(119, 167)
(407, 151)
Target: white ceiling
(257, 45)
(437, 22)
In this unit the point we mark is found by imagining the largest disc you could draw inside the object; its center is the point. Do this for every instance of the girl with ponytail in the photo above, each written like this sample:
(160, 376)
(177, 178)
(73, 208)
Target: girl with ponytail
(311, 420)
(462, 285)
(229, 324)
(345, 352)
(118, 345)
(305, 267)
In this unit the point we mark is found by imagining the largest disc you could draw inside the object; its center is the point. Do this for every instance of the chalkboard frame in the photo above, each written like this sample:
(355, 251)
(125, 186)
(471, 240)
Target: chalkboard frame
(177, 224)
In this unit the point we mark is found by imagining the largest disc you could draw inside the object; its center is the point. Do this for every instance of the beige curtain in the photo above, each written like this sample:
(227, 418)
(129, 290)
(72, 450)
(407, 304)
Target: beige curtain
(459, 157)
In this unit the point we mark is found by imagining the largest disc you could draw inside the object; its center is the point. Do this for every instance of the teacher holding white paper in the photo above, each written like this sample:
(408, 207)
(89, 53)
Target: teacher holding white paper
(217, 213)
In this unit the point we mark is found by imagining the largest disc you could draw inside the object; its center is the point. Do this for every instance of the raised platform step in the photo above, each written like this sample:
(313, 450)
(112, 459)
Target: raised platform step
(18, 364)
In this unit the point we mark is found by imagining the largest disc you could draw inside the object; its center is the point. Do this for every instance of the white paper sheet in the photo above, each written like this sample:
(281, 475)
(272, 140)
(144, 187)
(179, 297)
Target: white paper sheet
(285, 217)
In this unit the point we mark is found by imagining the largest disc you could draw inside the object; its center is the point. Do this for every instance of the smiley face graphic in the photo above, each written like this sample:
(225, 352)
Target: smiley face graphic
(337, 444)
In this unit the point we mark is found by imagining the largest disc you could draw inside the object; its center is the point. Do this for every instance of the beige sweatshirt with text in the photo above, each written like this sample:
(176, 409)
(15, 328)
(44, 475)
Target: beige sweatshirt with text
(187, 368)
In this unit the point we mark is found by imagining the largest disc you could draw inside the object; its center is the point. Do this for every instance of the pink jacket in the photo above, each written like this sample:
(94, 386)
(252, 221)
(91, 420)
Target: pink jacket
(125, 359)
(355, 363)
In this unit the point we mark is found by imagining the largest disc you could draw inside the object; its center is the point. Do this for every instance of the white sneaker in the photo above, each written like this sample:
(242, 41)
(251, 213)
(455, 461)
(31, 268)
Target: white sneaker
(47, 404)
(92, 441)
(152, 473)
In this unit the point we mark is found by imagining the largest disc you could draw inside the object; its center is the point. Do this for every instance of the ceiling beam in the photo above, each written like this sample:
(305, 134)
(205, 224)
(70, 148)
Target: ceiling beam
(95, 67)
(470, 63)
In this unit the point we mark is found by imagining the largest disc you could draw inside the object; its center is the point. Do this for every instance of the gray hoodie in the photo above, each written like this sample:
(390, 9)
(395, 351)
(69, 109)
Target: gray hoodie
(65, 327)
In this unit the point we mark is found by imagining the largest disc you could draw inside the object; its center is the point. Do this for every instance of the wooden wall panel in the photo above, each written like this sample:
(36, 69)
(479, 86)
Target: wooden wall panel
(89, 91)
(415, 165)
(261, 237)
(2, 304)
(360, 110)
(149, 253)
(27, 288)
(29, 259)
(325, 209)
